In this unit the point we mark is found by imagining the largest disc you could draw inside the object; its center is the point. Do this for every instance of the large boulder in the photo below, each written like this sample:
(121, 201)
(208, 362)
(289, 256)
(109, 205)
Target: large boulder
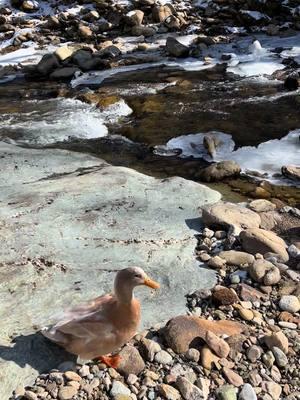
(229, 215)
(257, 240)
(70, 221)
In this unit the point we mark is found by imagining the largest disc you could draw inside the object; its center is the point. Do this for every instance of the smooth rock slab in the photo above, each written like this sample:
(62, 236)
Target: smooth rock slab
(79, 220)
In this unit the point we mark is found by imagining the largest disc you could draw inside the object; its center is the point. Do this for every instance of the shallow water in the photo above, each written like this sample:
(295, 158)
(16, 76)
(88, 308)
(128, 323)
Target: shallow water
(156, 106)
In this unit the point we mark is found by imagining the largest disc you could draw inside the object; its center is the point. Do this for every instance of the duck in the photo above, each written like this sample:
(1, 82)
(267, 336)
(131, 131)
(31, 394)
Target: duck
(96, 329)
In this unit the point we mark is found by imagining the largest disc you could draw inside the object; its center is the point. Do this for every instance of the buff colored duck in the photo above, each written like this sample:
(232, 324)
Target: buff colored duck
(101, 326)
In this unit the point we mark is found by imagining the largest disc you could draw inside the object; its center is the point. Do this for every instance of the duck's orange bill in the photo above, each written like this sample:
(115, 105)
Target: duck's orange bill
(150, 283)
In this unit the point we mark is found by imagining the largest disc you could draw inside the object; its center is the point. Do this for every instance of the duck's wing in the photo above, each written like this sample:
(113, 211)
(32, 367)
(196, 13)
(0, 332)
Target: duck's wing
(80, 321)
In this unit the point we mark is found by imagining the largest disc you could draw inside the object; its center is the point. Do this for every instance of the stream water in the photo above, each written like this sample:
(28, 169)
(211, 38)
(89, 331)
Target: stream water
(154, 113)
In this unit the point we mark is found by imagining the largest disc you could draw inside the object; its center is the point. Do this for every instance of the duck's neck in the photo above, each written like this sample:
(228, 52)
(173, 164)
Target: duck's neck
(124, 293)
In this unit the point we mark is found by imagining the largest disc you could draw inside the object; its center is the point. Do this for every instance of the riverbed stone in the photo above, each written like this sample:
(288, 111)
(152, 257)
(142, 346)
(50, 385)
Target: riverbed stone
(238, 258)
(289, 303)
(229, 215)
(255, 240)
(106, 218)
(184, 331)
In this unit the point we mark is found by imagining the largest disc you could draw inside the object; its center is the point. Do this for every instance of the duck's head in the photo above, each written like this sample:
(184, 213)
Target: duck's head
(134, 276)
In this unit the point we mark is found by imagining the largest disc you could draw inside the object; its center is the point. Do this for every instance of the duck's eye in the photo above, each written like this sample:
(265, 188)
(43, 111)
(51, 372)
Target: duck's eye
(137, 276)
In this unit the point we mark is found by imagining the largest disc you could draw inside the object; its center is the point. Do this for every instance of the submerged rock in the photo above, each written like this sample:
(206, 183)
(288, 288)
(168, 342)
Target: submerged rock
(219, 171)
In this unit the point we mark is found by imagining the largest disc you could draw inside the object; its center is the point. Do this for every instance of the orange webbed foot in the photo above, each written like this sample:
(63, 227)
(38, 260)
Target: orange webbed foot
(110, 361)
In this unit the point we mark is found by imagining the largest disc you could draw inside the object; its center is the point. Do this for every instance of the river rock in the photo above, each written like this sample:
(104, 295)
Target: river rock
(188, 390)
(291, 172)
(64, 73)
(131, 361)
(226, 392)
(219, 171)
(231, 216)
(247, 393)
(262, 205)
(163, 357)
(277, 339)
(280, 358)
(224, 296)
(216, 344)
(232, 377)
(238, 258)
(175, 48)
(149, 348)
(119, 217)
(67, 392)
(135, 17)
(184, 331)
(64, 52)
(264, 271)
(289, 303)
(169, 392)
(274, 389)
(118, 388)
(255, 240)
(47, 64)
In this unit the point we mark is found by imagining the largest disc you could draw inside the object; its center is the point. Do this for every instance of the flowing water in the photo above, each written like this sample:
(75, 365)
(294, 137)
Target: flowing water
(157, 111)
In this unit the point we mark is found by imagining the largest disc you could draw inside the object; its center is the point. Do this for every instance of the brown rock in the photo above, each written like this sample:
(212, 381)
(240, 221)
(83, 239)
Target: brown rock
(257, 240)
(232, 377)
(233, 257)
(131, 361)
(149, 348)
(230, 215)
(72, 376)
(67, 392)
(185, 331)
(216, 344)
(261, 205)
(248, 293)
(291, 172)
(219, 171)
(85, 32)
(277, 339)
(208, 358)
(168, 392)
(188, 390)
(224, 297)
(274, 389)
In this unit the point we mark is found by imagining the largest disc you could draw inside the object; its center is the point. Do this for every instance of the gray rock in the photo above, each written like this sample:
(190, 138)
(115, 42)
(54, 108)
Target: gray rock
(47, 64)
(175, 48)
(106, 218)
(226, 392)
(289, 303)
(280, 358)
(118, 389)
(64, 73)
(188, 390)
(163, 357)
(247, 393)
